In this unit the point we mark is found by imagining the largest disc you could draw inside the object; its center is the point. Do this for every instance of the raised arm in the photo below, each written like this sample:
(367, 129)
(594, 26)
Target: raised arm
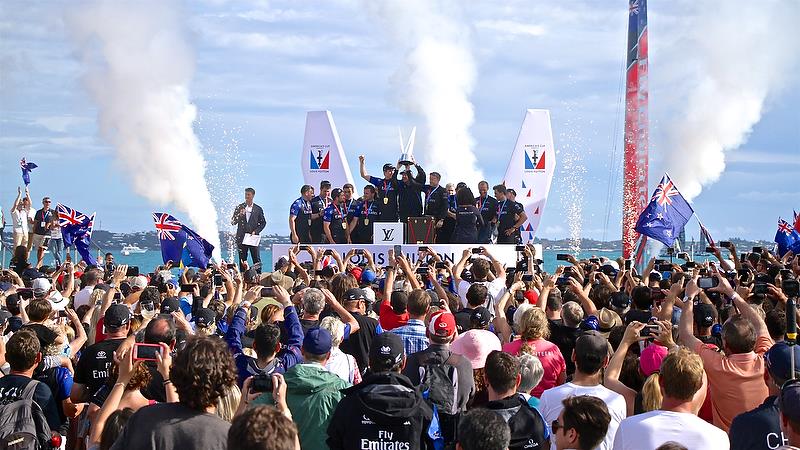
(362, 168)
(17, 200)
(686, 325)
(614, 368)
(343, 314)
(461, 264)
(588, 305)
(744, 308)
(409, 273)
(499, 270)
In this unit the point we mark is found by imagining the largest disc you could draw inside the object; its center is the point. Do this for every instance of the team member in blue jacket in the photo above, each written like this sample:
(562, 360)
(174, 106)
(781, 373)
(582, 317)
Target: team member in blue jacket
(271, 356)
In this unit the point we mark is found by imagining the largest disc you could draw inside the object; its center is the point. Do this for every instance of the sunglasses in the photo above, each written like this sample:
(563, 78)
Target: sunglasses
(555, 426)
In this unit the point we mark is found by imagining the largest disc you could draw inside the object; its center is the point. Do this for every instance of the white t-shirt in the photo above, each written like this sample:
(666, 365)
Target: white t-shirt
(649, 430)
(82, 297)
(20, 219)
(550, 406)
(247, 211)
(495, 288)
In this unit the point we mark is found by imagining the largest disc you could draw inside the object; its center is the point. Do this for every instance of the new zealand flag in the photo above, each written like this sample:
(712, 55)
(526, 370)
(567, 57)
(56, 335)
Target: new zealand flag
(180, 243)
(76, 229)
(666, 215)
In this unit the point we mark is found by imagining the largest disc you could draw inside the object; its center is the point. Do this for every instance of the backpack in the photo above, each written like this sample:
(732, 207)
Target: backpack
(440, 381)
(23, 425)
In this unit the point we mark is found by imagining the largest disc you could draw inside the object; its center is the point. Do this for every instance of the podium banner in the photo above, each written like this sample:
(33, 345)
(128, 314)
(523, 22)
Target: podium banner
(505, 253)
(323, 156)
(387, 233)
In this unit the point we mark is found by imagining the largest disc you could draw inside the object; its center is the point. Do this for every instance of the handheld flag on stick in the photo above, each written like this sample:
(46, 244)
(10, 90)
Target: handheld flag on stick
(76, 228)
(26, 170)
(706, 234)
(665, 216)
(180, 243)
(787, 238)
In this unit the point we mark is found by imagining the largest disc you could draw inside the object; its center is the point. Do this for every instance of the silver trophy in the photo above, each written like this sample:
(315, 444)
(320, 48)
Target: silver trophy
(407, 149)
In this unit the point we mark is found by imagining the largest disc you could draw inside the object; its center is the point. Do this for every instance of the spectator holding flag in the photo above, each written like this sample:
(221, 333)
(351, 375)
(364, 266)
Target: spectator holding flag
(19, 216)
(42, 223)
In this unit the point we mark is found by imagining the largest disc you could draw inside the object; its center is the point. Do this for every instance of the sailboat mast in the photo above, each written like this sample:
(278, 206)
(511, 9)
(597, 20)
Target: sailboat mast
(634, 191)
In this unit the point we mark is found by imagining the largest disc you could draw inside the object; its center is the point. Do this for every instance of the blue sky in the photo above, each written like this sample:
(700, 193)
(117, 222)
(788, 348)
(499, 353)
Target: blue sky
(261, 65)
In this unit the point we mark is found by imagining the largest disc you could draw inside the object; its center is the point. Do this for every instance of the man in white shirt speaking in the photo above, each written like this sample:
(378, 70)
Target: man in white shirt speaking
(683, 384)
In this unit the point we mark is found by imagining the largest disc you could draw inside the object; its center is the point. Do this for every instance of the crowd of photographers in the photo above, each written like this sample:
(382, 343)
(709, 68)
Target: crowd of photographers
(418, 353)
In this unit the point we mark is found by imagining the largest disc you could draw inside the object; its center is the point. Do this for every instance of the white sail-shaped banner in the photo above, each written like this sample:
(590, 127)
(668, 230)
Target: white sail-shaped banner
(531, 168)
(323, 156)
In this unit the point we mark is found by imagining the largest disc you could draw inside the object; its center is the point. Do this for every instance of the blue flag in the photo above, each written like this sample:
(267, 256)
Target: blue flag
(665, 216)
(787, 238)
(26, 170)
(181, 244)
(76, 229)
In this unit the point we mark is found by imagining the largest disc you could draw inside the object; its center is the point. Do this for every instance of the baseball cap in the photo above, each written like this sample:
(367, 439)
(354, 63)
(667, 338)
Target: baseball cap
(592, 344)
(367, 276)
(250, 276)
(475, 345)
(204, 317)
(779, 361)
(790, 399)
(41, 286)
(591, 323)
(357, 272)
(442, 324)
(386, 350)
(480, 317)
(318, 341)
(117, 315)
(651, 358)
(704, 314)
(139, 282)
(620, 300)
(170, 305)
(532, 296)
(608, 319)
(4, 316)
(388, 166)
(354, 294)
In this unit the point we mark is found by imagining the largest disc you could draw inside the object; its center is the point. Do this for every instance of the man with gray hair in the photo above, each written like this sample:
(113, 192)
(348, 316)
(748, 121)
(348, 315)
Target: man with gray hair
(565, 333)
(531, 373)
(313, 303)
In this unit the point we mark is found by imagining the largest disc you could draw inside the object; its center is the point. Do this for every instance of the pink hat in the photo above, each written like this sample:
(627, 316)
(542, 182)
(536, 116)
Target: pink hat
(650, 360)
(475, 345)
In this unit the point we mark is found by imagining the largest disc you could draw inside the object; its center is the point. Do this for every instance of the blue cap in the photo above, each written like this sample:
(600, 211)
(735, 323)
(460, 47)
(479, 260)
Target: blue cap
(590, 323)
(317, 341)
(367, 276)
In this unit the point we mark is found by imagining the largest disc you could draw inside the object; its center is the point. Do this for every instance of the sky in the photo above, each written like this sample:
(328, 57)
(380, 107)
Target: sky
(260, 65)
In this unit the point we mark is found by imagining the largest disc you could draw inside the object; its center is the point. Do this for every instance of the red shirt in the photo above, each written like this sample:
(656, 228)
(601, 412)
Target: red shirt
(388, 319)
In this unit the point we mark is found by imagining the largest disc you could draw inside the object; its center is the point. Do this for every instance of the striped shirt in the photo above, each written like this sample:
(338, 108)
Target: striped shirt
(414, 336)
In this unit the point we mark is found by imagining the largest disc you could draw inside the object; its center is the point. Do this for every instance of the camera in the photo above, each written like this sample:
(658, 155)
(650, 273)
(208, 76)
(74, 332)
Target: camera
(760, 289)
(217, 279)
(146, 352)
(562, 257)
(725, 244)
(707, 282)
(791, 288)
(261, 383)
(266, 291)
(519, 248)
(648, 329)
(527, 277)
(758, 250)
(133, 271)
(440, 265)
(476, 251)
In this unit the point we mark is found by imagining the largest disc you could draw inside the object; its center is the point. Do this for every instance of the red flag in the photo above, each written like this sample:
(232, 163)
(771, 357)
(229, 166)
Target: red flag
(796, 221)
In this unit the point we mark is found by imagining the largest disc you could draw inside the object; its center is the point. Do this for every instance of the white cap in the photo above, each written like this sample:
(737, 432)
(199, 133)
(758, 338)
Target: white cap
(139, 281)
(611, 263)
(41, 286)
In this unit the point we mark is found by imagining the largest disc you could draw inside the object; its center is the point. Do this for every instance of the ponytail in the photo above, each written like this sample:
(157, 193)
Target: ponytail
(651, 393)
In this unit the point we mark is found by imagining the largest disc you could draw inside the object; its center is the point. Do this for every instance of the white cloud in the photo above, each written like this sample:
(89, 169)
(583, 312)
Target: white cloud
(511, 27)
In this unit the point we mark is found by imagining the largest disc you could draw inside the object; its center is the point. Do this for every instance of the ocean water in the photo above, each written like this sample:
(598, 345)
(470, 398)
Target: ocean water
(148, 261)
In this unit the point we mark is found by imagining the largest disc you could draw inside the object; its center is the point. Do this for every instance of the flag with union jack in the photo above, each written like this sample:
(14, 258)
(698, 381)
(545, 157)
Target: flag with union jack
(181, 244)
(76, 229)
(787, 238)
(26, 170)
(666, 215)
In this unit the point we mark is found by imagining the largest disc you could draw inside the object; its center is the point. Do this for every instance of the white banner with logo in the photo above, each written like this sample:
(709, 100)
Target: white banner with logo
(531, 168)
(505, 253)
(387, 233)
(323, 156)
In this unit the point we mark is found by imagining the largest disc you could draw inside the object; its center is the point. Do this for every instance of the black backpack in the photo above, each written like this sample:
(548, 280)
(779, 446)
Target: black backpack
(440, 381)
(23, 425)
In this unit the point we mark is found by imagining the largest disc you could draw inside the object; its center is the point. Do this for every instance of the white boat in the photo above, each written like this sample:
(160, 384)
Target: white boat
(128, 249)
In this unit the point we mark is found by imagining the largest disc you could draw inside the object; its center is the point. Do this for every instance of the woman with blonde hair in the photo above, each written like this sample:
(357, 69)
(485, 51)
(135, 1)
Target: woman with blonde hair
(649, 399)
(229, 403)
(340, 363)
(530, 323)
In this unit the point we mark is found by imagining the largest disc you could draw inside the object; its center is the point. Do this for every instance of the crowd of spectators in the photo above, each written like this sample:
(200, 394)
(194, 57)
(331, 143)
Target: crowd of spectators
(418, 353)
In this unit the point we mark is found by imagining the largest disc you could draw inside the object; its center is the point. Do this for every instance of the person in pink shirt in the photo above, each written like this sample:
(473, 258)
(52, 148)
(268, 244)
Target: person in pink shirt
(533, 329)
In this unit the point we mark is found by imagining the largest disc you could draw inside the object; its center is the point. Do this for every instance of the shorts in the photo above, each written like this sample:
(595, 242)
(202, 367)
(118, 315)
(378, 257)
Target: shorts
(20, 238)
(38, 241)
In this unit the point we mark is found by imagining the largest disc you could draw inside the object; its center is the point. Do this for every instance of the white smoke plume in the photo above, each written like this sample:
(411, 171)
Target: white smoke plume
(435, 80)
(735, 54)
(138, 66)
